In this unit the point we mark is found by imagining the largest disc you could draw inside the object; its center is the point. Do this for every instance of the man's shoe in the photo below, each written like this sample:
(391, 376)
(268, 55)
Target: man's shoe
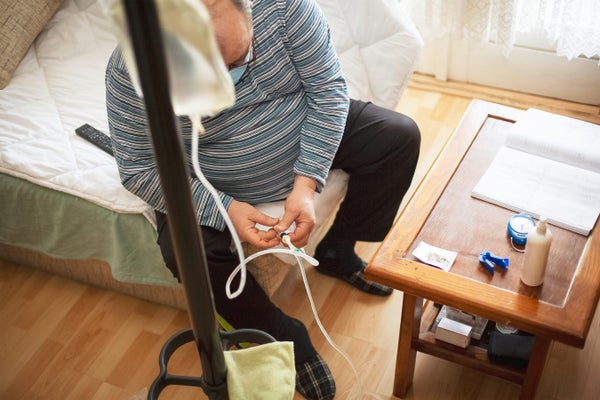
(314, 380)
(358, 280)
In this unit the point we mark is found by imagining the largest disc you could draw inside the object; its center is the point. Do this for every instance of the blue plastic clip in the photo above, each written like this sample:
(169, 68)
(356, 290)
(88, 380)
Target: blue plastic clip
(499, 261)
(486, 263)
(489, 259)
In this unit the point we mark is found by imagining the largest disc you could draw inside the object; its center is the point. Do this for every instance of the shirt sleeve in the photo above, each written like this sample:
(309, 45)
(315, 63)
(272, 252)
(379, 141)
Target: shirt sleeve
(133, 148)
(316, 61)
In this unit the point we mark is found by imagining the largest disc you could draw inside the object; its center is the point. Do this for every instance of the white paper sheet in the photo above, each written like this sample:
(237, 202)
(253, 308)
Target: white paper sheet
(550, 165)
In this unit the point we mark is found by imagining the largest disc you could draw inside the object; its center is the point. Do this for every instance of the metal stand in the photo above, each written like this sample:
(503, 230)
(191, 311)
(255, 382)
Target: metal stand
(144, 29)
(181, 338)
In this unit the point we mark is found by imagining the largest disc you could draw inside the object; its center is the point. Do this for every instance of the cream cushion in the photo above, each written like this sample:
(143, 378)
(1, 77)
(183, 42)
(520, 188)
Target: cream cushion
(20, 23)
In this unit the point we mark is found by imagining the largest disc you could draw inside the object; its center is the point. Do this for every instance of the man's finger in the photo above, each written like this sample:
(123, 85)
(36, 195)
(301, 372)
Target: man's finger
(267, 235)
(285, 223)
(264, 219)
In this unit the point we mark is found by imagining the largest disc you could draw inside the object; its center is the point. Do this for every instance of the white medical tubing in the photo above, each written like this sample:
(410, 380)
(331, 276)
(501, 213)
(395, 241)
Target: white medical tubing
(299, 254)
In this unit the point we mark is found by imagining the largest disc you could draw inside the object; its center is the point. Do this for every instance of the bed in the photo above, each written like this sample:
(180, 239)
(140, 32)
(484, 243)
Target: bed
(63, 206)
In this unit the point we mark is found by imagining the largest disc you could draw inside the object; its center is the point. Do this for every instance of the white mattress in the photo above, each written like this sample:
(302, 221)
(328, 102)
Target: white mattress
(59, 86)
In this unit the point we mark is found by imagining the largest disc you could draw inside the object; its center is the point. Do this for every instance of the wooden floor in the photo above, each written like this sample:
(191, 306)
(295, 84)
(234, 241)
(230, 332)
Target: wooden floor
(61, 340)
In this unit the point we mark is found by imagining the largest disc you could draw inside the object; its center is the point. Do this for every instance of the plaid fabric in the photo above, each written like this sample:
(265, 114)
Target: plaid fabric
(314, 380)
(359, 281)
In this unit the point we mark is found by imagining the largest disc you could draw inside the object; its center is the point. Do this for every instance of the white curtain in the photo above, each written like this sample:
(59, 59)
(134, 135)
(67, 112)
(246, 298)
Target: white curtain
(572, 25)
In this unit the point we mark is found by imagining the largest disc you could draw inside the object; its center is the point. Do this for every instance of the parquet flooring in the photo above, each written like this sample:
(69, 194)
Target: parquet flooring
(62, 340)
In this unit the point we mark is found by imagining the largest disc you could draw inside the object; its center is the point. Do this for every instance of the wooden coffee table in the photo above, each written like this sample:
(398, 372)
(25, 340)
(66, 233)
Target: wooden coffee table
(442, 213)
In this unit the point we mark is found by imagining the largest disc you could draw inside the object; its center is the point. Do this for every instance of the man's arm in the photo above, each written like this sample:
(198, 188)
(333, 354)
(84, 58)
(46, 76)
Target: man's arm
(134, 151)
(317, 64)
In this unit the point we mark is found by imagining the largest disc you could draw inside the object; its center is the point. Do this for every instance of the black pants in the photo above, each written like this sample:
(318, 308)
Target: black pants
(379, 150)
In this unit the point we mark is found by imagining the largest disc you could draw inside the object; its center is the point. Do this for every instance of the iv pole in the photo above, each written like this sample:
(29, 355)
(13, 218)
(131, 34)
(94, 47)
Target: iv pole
(144, 29)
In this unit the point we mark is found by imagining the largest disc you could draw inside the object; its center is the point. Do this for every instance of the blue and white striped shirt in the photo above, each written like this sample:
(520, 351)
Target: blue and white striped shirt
(288, 118)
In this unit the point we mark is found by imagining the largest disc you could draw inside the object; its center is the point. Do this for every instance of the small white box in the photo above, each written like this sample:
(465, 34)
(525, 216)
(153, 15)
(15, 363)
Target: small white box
(453, 332)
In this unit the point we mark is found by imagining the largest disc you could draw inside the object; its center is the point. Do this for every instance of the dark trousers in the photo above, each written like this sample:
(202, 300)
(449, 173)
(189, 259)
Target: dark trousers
(379, 150)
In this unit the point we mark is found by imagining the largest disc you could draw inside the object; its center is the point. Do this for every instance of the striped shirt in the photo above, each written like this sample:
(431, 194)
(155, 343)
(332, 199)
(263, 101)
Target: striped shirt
(288, 118)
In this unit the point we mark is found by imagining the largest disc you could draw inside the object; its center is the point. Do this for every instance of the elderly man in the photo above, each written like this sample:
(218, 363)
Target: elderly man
(291, 123)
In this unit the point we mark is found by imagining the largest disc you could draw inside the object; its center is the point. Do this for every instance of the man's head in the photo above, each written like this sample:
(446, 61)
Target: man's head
(232, 23)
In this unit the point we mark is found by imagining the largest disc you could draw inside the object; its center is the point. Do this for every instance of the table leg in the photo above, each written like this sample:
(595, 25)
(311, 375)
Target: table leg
(535, 367)
(410, 324)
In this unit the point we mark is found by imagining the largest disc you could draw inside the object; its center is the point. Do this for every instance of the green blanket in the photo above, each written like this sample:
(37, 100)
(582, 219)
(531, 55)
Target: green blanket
(65, 226)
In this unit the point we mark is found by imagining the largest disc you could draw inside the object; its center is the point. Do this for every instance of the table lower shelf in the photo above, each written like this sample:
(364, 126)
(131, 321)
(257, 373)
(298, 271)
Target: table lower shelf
(474, 356)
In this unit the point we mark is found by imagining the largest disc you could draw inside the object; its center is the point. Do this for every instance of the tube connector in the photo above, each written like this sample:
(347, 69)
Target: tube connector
(285, 239)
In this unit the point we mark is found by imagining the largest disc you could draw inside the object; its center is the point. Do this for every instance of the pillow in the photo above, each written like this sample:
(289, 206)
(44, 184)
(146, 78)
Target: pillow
(20, 22)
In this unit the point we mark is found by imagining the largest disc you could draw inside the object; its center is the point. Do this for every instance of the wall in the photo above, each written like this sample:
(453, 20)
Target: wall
(531, 67)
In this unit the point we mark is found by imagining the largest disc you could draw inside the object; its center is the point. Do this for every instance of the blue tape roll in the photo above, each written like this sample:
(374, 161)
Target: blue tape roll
(519, 226)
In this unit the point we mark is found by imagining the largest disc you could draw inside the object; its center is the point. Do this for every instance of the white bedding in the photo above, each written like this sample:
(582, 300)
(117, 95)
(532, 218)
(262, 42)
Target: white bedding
(59, 86)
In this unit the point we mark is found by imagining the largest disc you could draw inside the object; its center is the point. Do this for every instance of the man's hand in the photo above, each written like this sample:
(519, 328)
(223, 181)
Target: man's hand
(299, 208)
(245, 217)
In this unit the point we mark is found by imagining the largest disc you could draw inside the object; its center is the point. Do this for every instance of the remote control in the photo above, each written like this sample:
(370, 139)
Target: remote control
(95, 136)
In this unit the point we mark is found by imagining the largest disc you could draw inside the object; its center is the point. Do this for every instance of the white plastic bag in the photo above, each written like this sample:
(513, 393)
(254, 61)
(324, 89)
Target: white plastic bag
(199, 81)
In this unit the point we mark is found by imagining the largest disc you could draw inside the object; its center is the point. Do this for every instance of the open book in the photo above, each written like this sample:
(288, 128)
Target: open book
(549, 165)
